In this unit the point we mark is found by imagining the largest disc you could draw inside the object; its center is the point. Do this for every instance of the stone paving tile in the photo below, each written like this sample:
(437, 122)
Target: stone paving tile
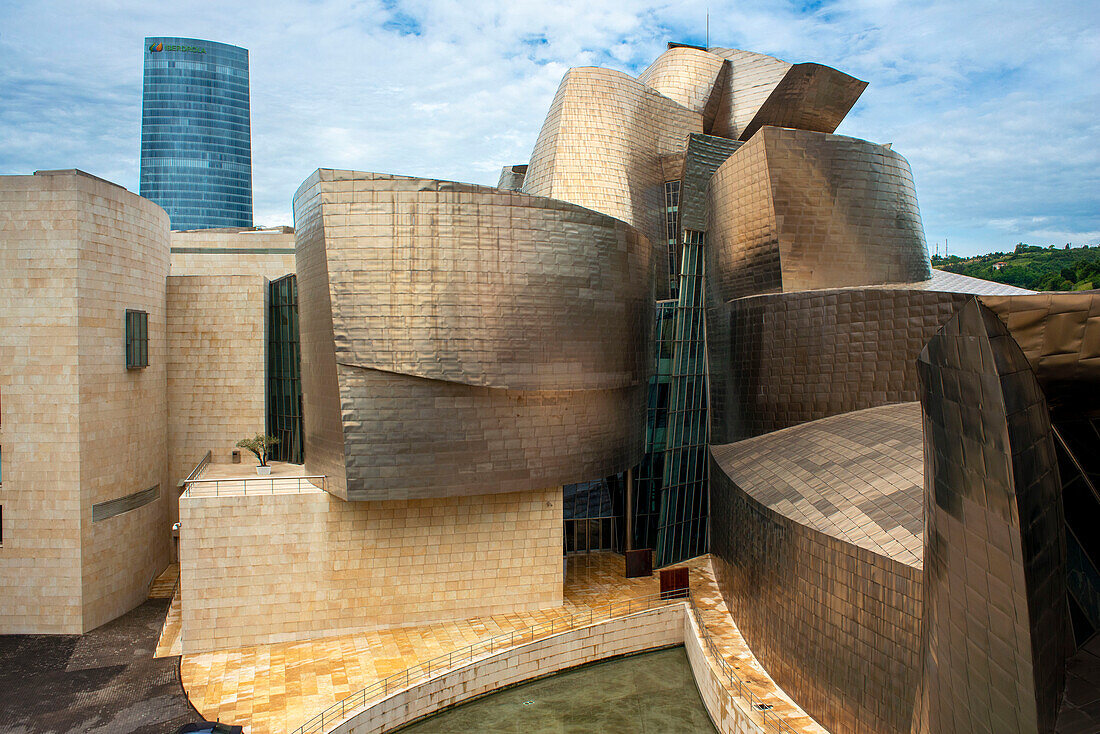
(169, 642)
(735, 651)
(164, 586)
(275, 688)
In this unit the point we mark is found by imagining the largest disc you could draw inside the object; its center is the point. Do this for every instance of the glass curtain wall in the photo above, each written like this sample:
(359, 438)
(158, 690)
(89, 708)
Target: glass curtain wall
(651, 472)
(682, 521)
(196, 139)
(284, 372)
(593, 515)
(672, 224)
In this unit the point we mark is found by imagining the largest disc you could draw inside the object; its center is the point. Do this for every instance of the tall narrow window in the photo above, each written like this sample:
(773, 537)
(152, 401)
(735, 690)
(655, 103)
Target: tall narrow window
(672, 223)
(137, 339)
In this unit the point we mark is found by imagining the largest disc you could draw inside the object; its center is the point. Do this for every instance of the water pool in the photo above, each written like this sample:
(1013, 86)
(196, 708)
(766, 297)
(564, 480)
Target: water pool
(651, 693)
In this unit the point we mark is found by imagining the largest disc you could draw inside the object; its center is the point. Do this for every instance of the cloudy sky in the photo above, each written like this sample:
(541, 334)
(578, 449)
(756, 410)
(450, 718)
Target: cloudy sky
(995, 104)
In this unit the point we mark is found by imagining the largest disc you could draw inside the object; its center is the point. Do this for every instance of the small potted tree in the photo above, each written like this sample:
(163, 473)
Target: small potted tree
(260, 445)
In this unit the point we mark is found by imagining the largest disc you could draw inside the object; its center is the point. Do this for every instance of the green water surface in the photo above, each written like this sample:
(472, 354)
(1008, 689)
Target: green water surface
(652, 693)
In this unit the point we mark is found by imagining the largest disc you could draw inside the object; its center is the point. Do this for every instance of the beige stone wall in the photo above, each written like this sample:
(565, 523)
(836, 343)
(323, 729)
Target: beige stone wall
(266, 252)
(78, 427)
(40, 589)
(273, 568)
(216, 367)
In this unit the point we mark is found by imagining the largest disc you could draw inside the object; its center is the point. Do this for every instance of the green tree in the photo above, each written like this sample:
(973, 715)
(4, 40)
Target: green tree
(260, 445)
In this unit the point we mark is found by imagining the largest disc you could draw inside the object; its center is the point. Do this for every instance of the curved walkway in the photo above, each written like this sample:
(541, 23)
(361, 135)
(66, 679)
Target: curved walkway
(275, 688)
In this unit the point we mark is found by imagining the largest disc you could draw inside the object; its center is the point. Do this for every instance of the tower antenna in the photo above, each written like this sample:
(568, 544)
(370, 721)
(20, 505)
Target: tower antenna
(708, 28)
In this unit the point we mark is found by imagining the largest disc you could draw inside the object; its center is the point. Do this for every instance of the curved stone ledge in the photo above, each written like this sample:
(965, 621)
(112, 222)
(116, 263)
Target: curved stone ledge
(649, 630)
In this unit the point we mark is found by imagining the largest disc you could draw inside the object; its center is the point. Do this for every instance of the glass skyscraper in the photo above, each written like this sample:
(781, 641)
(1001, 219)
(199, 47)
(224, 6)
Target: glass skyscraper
(196, 143)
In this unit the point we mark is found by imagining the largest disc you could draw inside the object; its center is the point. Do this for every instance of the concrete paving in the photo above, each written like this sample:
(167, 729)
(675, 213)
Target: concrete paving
(104, 682)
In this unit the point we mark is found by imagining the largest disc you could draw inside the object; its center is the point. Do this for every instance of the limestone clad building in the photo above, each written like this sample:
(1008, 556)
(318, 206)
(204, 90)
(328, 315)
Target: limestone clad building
(696, 303)
(85, 493)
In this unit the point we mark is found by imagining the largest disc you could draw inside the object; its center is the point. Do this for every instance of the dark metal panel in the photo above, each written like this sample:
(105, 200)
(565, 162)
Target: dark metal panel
(995, 616)
(111, 508)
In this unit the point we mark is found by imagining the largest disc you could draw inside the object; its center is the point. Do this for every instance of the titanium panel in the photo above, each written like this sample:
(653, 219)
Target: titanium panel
(856, 476)
(511, 177)
(810, 97)
(411, 438)
(601, 148)
(748, 84)
(322, 424)
(944, 281)
(995, 619)
(705, 154)
(691, 77)
(798, 357)
(1059, 334)
(470, 284)
(796, 210)
(459, 340)
(836, 624)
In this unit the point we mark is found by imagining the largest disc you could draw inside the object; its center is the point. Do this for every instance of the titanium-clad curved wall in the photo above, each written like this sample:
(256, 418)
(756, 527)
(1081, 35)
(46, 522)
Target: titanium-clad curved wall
(799, 357)
(831, 608)
(458, 339)
(995, 622)
(1059, 334)
(689, 76)
(810, 97)
(601, 144)
(794, 210)
(750, 80)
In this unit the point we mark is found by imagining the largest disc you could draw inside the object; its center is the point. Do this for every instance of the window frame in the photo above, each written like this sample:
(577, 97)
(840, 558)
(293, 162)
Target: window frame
(137, 339)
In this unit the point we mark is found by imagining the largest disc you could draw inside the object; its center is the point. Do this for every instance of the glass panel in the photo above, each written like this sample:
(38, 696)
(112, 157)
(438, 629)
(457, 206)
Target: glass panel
(284, 383)
(682, 521)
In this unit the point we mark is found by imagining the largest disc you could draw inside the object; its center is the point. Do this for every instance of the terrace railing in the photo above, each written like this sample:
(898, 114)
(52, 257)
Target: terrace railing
(769, 720)
(423, 671)
(253, 485)
(197, 471)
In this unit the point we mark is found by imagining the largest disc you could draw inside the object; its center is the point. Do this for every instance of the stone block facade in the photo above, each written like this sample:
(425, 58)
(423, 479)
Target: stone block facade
(264, 568)
(216, 357)
(79, 429)
(251, 251)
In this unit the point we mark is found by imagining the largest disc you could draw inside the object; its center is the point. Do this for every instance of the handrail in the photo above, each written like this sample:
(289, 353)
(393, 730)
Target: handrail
(735, 681)
(198, 470)
(422, 671)
(240, 485)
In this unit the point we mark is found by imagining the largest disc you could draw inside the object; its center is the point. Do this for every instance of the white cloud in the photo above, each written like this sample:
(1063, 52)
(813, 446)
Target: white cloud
(992, 103)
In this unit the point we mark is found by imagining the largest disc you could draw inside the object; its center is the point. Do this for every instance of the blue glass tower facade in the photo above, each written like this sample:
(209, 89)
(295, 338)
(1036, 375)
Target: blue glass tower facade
(196, 141)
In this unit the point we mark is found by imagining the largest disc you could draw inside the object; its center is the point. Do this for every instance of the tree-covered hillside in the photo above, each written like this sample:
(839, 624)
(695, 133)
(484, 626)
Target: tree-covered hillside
(1036, 268)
